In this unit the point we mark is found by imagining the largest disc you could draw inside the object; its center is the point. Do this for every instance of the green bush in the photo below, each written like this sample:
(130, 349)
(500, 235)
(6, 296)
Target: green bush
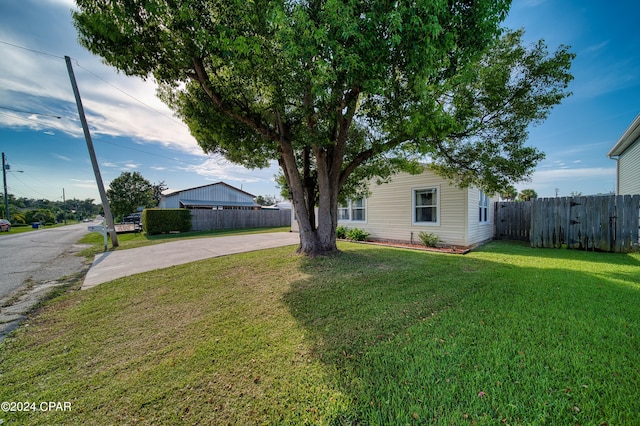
(430, 239)
(161, 221)
(356, 234)
(341, 232)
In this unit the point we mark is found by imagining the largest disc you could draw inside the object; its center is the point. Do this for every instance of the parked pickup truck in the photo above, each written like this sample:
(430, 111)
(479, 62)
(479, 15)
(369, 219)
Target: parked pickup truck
(130, 223)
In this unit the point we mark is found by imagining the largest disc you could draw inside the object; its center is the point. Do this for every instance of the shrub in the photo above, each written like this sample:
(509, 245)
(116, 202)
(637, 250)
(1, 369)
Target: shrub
(159, 221)
(430, 239)
(356, 234)
(341, 232)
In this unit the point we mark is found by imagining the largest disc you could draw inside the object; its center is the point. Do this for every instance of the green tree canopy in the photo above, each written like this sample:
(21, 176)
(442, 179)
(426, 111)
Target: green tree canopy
(129, 191)
(45, 216)
(158, 189)
(527, 195)
(509, 193)
(340, 91)
(266, 200)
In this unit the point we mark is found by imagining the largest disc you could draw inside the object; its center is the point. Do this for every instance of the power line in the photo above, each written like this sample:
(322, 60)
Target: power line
(31, 112)
(96, 76)
(129, 95)
(218, 161)
(31, 50)
(18, 117)
(148, 153)
(15, 176)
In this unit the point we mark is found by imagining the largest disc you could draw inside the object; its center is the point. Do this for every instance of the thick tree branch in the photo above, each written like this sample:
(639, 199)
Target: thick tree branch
(366, 155)
(254, 122)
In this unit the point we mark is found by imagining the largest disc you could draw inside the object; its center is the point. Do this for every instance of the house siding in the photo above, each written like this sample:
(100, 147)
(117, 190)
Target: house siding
(478, 232)
(629, 170)
(390, 210)
(215, 192)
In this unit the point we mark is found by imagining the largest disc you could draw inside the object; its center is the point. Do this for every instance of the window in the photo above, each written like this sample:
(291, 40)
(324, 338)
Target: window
(357, 210)
(343, 211)
(425, 206)
(483, 208)
(353, 210)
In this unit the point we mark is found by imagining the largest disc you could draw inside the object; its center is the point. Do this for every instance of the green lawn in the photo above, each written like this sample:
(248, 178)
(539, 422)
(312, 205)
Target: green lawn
(27, 228)
(140, 239)
(374, 336)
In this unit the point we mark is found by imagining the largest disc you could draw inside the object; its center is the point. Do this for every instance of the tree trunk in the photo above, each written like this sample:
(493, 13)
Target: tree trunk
(320, 239)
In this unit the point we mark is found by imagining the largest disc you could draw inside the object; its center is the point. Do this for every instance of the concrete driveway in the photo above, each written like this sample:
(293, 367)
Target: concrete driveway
(121, 263)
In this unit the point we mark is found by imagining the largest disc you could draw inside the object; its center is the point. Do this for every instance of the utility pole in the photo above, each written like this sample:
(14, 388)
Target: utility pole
(96, 170)
(64, 207)
(6, 195)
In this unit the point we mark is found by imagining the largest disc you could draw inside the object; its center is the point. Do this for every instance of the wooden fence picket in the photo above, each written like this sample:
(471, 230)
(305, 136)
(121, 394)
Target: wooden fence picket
(602, 223)
(208, 220)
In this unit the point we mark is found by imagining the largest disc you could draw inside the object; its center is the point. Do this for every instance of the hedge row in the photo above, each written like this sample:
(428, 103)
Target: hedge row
(162, 221)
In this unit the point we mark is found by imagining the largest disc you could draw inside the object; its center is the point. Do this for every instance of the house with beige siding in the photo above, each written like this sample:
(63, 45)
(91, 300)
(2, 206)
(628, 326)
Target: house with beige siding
(399, 210)
(626, 152)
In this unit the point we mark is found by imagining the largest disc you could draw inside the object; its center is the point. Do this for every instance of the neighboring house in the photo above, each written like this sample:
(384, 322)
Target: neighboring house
(280, 205)
(626, 152)
(410, 204)
(216, 196)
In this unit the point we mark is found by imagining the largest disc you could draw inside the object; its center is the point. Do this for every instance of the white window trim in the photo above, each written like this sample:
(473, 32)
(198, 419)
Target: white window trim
(349, 208)
(486, 207)
(437, 206)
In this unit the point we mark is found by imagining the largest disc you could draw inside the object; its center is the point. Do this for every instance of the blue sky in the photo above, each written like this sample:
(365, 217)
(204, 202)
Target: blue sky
(133, 131)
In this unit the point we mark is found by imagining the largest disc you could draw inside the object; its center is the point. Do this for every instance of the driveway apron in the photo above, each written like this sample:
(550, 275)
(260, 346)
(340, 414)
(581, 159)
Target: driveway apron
(121, 263)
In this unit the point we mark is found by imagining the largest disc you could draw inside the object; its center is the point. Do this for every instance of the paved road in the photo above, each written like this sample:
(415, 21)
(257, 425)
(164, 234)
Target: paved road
(31, 264)
(38, 256)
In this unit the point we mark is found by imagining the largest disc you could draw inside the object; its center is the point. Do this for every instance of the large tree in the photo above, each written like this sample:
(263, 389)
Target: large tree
(129, 191)
(340, 91)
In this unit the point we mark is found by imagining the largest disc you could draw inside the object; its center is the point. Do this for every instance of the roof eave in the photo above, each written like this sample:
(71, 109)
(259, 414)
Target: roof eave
(627, 139)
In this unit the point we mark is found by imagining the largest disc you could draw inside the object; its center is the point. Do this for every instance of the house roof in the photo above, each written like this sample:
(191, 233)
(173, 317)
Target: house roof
(629, 137)
(211, 184)
(206, 203)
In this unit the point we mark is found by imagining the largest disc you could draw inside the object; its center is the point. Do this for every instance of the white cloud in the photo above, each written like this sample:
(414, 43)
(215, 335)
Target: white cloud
(217, 169)
(533, 3)
(87, 183)
(587, 180)
(61, 157)
(595, 47)
(568, 174)
(115, 105)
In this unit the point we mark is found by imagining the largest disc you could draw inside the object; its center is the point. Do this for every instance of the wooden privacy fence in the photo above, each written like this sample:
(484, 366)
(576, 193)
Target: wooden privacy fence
(513, 220)
(208, 220)
(603, 223)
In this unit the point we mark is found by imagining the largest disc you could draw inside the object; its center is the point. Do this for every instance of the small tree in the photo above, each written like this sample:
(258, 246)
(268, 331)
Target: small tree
(158, 189)
(509, 193)
(40, 215)
(527, 195)
(129, 191)
(266, 200)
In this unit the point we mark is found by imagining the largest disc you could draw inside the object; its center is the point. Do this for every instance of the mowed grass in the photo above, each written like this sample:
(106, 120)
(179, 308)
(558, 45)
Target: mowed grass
(131, 240)
(374, 336)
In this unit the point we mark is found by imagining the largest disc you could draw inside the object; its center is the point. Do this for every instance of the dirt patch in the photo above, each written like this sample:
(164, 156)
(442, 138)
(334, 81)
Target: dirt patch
(67, 270)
